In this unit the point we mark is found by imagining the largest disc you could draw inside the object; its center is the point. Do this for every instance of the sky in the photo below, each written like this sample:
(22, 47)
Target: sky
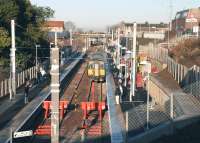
(98, 14)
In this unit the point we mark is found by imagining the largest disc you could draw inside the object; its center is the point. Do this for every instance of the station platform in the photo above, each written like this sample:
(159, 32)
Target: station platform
(116, 130)
(14, 114)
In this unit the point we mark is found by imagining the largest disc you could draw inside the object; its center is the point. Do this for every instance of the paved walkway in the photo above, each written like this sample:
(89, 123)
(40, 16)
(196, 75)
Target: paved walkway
(9, 108)
(116, 130)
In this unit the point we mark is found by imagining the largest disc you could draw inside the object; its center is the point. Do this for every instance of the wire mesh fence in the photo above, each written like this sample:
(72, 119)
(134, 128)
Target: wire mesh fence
(141, 118)
(180, 104)
(166, 105)
(193, 89)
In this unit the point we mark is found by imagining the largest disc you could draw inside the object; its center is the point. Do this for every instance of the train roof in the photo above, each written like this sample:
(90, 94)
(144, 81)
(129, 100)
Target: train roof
(98, 56)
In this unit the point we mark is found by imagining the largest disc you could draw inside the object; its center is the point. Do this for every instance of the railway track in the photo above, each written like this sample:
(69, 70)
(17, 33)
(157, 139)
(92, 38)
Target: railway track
(76, 89)
(36, 115)
(80, 89)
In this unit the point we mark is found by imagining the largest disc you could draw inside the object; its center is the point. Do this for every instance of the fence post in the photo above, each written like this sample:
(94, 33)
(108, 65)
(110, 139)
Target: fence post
(31, 76)
(175, 71)
(171, 106)
(30, 73)
(172, 68)
(178, 72)
(18, 80)
(35, 69)
(198, 73)
(10, 87)
(185, 75)
(23, 76)
(167, 62)
(5, 86)
(126, 124)
(1, 88)
(181, 73)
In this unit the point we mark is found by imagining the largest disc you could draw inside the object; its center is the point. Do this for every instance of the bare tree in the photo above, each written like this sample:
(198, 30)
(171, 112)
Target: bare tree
(69, 25)
(80, 30)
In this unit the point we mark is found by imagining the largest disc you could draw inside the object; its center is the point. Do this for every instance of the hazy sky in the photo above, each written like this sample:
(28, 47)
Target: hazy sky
(97, 14)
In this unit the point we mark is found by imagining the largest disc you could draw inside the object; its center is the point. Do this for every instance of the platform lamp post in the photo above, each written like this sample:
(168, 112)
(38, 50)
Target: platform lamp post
(112, 35)
(133, 63)
(70, 32)
(148, 88)
(55, 85)
(12, 62)
(36, 58)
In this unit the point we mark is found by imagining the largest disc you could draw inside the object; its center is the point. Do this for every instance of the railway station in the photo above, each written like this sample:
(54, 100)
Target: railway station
(134, 82)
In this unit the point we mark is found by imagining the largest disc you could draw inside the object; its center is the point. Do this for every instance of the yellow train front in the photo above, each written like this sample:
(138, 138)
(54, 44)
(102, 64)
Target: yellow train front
(96, 70)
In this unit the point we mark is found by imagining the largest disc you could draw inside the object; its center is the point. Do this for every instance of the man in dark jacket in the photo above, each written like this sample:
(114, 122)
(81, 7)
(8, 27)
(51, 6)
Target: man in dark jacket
(26, 90)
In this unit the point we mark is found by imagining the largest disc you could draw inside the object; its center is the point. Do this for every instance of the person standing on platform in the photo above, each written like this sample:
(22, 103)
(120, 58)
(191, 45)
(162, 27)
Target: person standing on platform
(26, 90)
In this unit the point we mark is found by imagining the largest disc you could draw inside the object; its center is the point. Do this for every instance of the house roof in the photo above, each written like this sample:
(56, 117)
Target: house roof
(54, 24)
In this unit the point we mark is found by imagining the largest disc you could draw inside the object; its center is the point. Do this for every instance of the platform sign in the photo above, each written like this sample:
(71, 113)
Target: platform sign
(22, 134)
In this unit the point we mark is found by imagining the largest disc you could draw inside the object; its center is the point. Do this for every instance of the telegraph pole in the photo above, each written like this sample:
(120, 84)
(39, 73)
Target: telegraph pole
(70, 31)
(12, 61)
(112, 36)
(133, 71)
(55, 84)
(170, 21)
(118, 47)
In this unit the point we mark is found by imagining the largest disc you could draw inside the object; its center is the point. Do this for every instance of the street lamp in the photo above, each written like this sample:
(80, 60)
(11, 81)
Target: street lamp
(36, 58)
(148, 88)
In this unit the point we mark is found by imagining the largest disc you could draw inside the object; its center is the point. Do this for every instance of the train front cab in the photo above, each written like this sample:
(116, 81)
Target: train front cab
(90, 70)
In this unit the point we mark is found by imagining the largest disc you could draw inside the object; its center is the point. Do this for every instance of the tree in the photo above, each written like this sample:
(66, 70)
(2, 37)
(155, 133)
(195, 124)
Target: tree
(8, 11)
(79, 30)
(4, 38)
(29, 19)
(69, 25)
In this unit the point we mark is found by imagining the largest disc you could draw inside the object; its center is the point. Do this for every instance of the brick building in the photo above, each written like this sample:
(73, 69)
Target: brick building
(54, 26)
(186, 21)
(126, 28)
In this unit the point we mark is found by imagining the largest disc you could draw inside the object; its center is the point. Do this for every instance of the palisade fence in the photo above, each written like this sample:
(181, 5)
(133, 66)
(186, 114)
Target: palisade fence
(183, 75)
(20, 80)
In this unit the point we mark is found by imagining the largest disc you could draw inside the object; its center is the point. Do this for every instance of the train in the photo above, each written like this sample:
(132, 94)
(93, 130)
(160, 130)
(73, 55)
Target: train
(96, 70)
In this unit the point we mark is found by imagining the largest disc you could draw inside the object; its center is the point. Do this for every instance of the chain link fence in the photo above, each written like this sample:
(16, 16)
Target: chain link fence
(193, 89)
(175, 104)
(167, 106)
